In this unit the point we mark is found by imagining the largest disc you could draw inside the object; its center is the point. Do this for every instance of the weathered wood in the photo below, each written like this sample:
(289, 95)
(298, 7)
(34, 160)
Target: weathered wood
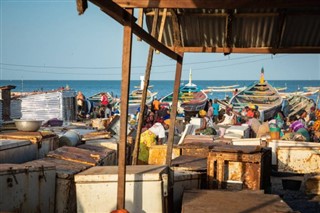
(173, 112)
(144, 93)
(163, 20)
(125, 85)
(140, 21)
(253, 167)
(216, 4)
(263, 50)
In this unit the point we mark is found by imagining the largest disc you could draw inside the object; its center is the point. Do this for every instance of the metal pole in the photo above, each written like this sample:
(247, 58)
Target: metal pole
(144, 93)
(125, 83)
(173, 112)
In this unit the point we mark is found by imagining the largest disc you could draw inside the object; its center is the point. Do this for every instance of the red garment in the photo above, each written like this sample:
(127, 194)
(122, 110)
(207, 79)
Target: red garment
(104, 100)
(250, 113)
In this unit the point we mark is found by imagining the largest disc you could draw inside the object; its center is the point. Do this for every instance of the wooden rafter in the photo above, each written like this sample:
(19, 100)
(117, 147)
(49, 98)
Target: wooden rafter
(246, 50)
(124, 18)
(228, 31)
(176, 28)
(217, 4)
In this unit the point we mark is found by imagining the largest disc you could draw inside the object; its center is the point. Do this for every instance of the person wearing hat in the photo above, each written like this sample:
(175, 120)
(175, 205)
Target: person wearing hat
(152, 136)
(206, 127)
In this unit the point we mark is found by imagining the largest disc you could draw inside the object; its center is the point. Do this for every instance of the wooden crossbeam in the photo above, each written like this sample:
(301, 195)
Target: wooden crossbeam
(265, 50)
(123, 17)
(217, 4)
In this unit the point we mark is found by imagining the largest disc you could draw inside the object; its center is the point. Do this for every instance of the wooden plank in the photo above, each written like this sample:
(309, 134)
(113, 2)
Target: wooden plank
(173, 112)
(140, 21)
(263, 50)
(124, 18)
(144, 93)
(163, 20)
(217, 4)
(125, 86)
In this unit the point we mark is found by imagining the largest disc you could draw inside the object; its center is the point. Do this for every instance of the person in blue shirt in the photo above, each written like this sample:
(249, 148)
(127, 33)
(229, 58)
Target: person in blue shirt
(215, 107)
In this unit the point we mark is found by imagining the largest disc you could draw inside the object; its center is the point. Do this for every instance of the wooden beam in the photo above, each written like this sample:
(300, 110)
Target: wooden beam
(228, 31)
(124, 18)
(140, 21)
(176, 28)
(217, 4)
(173, 112)
(126, 70)
(257, 50)
(144, 92)
(163, 20)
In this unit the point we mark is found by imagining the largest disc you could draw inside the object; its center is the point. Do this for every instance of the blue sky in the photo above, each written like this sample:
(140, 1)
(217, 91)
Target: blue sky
(49, 40)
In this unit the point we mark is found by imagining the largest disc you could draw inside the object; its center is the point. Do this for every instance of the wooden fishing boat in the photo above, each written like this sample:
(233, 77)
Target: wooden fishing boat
(191, 97)
(96, 98)
(227, 89)
(299, 102)
(261, 94)
(224, 87)
(135, 97)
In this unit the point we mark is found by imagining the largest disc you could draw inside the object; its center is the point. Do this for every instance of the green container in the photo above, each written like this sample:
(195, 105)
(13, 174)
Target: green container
(275, 129)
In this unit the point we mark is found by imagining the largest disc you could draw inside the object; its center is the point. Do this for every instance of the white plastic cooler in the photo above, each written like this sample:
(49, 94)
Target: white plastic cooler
(146, 189)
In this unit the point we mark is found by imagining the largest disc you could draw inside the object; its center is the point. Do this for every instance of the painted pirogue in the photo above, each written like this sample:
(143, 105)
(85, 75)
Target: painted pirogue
(261, 94)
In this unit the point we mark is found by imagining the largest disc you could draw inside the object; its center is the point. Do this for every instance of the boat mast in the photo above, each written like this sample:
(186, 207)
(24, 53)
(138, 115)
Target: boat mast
(262, 76)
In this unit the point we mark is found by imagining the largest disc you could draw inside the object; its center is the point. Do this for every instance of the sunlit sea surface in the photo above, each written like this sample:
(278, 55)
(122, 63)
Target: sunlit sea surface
(90, 88)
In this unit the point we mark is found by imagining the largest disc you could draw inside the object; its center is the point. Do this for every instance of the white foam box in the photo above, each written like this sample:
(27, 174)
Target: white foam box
(146, 189)
(244, 131)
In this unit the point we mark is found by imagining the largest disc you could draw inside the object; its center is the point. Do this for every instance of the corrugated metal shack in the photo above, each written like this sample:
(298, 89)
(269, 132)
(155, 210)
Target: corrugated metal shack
(58, 104)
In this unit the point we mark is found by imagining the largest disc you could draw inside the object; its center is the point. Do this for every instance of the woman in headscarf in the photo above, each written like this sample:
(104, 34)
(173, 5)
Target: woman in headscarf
(206, 127)
(154, 135)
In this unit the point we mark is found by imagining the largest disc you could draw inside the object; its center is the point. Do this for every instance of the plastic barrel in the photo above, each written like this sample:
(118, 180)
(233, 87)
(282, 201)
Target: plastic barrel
(70, 138)
(275, 133)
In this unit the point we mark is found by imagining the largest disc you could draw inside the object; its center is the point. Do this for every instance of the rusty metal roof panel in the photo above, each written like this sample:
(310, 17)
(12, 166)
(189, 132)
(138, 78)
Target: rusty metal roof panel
(253, 31)
(245, 28)
(297, 33)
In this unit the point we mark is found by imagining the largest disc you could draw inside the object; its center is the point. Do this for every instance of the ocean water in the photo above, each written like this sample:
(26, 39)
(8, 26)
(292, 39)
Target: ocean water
(90, 88)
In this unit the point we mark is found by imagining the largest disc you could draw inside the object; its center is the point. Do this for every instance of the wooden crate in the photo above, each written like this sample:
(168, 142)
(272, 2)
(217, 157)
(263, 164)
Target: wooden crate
(196, 149)
(249, 167)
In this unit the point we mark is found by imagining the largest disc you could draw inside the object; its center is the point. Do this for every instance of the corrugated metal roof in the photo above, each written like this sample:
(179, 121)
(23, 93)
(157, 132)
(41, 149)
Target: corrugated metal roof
(249, 28)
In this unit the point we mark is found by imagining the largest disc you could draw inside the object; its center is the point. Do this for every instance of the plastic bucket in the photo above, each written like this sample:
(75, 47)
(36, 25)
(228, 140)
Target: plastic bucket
(275, 133)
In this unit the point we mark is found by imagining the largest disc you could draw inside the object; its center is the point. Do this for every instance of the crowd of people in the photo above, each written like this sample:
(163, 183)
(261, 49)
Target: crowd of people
(299, 126)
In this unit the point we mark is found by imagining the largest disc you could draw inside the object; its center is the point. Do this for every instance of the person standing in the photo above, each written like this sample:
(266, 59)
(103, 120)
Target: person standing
(104, 100)
(215, 107)
(210, 109)
(155, 105)
(80, 103)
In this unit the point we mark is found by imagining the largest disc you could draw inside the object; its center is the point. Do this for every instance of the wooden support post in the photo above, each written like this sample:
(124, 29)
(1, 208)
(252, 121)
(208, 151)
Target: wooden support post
(126, 70)
(144, 92)
(140, 21)
(173, 112)
(163, 20)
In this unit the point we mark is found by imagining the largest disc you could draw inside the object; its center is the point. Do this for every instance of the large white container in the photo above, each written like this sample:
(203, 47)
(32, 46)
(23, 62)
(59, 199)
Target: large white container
(17, 151)
(146, 189)
(244, 131)
(27, 188)
(280, 143)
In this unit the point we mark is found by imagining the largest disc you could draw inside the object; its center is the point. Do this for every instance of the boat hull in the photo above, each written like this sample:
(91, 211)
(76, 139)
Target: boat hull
(263, 95)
